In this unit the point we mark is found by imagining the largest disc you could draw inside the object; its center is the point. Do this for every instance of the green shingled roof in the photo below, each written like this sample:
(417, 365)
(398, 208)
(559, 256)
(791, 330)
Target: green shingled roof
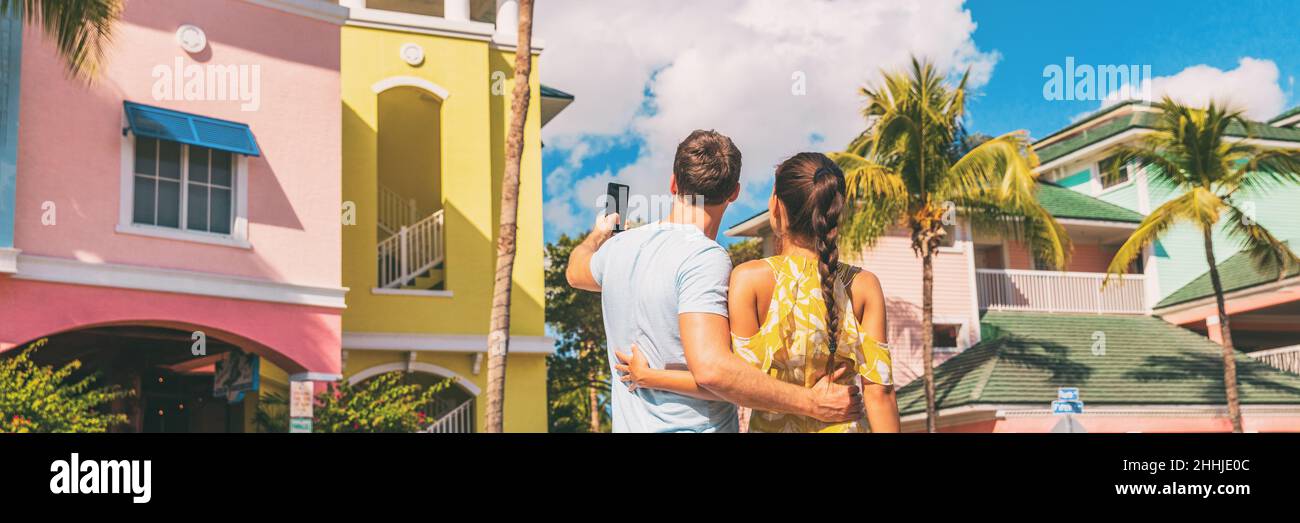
(1235, 273)
(1026, 356)
(1142, 120)
(1067, 203)
(1289, 113)
(551, 92)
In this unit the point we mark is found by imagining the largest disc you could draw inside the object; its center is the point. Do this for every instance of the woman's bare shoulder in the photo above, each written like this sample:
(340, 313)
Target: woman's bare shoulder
(752, 273)
(866, 286)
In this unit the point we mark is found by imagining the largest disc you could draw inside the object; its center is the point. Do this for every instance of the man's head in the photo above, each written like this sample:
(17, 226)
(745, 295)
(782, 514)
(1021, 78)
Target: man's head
(708, 166)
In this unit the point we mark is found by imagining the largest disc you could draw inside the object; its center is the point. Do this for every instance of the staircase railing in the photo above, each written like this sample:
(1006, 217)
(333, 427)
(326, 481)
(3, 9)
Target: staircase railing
(414, 250)
(395, 211)
(459, 420)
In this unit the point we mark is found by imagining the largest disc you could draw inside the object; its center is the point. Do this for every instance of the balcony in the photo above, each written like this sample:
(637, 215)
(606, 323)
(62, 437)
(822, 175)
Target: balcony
(1284, 358)
(1050, 291)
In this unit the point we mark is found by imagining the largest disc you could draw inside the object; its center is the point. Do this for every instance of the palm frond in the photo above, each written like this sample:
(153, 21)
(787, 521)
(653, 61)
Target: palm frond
(81, 29)
(1199, 206)
(1265, 250)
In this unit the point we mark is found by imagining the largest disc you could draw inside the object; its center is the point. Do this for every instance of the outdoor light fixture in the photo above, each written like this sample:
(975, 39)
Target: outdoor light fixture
(191, 38)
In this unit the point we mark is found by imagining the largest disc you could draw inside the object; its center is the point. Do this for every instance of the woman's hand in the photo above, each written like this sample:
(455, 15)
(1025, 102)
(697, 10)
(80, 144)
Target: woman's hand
(634, 369)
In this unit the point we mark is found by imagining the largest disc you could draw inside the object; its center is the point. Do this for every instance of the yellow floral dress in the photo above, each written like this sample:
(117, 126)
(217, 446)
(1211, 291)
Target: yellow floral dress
(791, 343)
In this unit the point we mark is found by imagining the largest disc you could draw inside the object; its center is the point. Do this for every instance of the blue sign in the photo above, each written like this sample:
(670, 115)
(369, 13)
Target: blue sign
(1067, 407)
(1067, 394)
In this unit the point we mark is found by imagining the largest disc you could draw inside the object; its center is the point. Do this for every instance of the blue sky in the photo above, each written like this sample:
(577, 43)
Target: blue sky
(1191, 47)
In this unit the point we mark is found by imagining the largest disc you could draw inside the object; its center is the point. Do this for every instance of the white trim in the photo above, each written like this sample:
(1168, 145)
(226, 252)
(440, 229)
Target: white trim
(318, 9)
(9, 260)
(238, 236)
(1287, 122)
(985, 411)
(416, 366)
(411, 81)
(1267, 288)
(411, 292)
(465, 343)
(63, 270)
(1091, 149)
(362, 16)
(750, 227)
(1097, 223)
(969, 229)
(315, 376)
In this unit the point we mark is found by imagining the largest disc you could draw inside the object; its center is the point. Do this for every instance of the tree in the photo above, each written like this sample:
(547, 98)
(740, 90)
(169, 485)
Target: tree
(1188, 151)
(745, 250)
(499, 330)
(381, 404)
(35, 398)
(81, 29)
(911, 167)
(577, 375)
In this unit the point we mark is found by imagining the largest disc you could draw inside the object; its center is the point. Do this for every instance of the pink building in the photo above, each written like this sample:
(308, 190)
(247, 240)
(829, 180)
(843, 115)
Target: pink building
(184, 207)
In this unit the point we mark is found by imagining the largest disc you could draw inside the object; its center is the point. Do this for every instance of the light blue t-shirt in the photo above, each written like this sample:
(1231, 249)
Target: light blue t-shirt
(648, 275)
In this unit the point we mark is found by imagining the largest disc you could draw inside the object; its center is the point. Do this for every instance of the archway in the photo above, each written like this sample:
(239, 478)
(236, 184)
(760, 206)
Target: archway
(458, 400)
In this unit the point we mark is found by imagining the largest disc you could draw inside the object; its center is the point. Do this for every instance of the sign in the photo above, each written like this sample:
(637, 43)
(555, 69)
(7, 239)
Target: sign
(1067, 394)
(300, 399)
(236, 374)
(299, 425)
(1067, 407)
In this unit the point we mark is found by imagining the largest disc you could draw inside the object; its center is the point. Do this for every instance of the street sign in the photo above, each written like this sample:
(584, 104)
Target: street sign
(1067, 394)
(1067, 407)
(299, 425)
(300, 399)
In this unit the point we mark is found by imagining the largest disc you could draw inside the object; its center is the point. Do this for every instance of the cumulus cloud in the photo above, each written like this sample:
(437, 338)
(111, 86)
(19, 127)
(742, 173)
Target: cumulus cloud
(1252, 87)
(654, 71)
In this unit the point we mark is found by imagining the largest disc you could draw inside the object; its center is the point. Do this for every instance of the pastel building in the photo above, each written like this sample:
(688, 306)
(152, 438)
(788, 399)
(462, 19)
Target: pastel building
(181, 210)
(426, 104)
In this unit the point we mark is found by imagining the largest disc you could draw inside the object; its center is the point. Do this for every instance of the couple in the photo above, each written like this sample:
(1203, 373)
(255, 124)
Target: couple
(798, 337)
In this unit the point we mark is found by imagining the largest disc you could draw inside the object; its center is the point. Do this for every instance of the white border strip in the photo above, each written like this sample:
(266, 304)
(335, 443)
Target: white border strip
(318, 9)
(63, 270)
(418, 366)
(463, 343)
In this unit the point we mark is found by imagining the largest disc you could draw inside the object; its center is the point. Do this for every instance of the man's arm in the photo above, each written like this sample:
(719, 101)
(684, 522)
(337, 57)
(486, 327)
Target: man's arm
(706, 339)
(578, 271)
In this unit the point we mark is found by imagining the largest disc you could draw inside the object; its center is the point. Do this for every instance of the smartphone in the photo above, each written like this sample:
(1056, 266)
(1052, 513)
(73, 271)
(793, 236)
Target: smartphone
(617, 203)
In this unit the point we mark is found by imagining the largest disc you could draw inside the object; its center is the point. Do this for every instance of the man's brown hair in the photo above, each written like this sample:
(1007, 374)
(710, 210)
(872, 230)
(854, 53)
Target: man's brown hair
(708, 165)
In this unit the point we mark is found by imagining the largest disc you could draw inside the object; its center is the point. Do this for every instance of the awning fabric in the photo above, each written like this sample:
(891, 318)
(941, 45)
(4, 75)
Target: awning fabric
(192, 129)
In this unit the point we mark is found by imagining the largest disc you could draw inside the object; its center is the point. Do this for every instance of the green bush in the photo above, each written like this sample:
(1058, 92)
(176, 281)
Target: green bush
(36, 398)
(381, 404)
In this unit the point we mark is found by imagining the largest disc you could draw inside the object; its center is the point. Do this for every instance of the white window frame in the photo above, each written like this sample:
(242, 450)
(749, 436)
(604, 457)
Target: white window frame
(1130, 169)
(963, 334)
(238, 236)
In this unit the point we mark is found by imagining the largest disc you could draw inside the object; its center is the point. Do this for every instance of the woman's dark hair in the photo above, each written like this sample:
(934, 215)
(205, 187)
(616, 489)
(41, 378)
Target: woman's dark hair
(811, 187)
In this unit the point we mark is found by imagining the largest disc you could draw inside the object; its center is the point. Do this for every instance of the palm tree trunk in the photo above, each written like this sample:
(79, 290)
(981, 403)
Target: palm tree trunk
(499, 331)
(1229, 353)
(593, 403)
(927, 336)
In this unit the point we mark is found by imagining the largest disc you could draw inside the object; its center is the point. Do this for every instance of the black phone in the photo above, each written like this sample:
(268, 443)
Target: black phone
(617, 203)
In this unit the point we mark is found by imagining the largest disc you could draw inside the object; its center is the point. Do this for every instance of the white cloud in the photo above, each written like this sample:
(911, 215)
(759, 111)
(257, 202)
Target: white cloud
(1252, 87)
(727, 65)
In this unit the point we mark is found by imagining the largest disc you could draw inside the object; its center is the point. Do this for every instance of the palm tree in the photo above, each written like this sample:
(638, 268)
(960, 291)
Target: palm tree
(81, 29)
(913, 166)
(499, 330)
(1189, 151)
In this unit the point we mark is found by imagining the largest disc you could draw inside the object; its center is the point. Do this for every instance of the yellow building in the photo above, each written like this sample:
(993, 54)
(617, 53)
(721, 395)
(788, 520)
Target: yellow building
(426, 101)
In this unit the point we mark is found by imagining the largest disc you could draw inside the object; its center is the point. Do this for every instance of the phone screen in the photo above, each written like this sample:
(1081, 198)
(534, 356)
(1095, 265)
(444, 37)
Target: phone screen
(617, 203)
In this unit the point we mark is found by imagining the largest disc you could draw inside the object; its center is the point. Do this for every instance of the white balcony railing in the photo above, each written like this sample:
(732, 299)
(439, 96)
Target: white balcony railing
(411, 252)
(1284, 358)
(1050, 291)
(459, 420)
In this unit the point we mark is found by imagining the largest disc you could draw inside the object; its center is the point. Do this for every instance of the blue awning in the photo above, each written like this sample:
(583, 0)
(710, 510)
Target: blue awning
(192, 129)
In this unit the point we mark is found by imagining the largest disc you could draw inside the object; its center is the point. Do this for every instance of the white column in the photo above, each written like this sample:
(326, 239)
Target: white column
(508, 18)
(456, 10)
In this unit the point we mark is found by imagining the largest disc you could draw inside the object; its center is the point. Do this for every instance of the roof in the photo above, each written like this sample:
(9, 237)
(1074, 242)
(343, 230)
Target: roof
(1058, 201)
(553, 102)
(1289, 113)
(1139, 120)
(1235, 273)
(1068, 203)
(1026, 356)
(551, 92)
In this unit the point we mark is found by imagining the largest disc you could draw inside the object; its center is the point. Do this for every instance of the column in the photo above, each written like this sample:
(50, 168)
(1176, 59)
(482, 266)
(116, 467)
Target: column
(1212, 328)
(508, 19)
(11, 44)
(456, 10)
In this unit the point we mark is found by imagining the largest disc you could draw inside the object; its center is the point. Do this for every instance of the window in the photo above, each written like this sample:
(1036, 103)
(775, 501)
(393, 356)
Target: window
(185, 187)
(1111, 177)
(946, 336)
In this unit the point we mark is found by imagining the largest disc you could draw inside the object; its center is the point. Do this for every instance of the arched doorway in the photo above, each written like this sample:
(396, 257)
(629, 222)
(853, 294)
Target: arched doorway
(410, 184)
(454, 409)
(171, 387)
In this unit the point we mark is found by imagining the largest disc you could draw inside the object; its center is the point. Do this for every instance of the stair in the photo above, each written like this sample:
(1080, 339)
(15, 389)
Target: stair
(431, 280)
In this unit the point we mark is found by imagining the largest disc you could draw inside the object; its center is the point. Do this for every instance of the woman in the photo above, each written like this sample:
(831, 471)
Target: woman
(781, 307)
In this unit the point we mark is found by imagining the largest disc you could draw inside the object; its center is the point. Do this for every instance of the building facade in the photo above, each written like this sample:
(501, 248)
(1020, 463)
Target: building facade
(180, 209)
(426, 106)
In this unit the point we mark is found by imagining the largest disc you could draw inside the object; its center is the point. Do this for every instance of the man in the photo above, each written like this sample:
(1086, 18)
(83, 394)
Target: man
(664, 290)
